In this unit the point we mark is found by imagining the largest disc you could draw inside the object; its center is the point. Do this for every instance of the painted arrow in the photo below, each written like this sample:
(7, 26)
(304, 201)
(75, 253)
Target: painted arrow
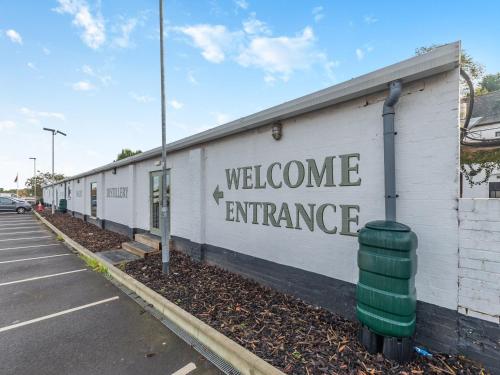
(218, 194)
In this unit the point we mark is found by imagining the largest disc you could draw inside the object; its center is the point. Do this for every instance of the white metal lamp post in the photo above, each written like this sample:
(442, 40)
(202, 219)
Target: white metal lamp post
(54, 132)
(34, 177)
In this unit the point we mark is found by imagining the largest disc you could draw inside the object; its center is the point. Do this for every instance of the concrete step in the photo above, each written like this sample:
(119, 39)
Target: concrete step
(149, 239)
(139, 249)
(117, 256)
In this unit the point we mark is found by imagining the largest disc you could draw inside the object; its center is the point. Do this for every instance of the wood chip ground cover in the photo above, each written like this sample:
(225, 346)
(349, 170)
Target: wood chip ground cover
(291, 335)
(86, 234)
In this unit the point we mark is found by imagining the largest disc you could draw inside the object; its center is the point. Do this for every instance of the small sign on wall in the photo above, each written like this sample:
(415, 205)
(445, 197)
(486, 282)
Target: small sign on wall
(117, 192)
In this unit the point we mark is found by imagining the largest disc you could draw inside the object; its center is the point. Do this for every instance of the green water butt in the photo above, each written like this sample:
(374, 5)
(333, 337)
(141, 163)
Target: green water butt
(385, 293)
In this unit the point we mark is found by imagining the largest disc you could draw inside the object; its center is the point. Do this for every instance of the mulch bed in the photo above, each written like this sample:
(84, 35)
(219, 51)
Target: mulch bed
(293, 336)
(88, 235)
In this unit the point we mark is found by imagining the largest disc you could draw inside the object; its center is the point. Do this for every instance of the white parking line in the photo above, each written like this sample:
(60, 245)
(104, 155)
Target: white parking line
(23, 223)
(35, 258)
(17, 325)
(186, 369)
(15, 226)
(41, 277)
(27, 231)
(14, 222)
(27, 247)
(24, 238)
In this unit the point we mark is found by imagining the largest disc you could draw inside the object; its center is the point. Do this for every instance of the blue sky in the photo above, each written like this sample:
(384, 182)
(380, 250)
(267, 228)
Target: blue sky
(91, 68)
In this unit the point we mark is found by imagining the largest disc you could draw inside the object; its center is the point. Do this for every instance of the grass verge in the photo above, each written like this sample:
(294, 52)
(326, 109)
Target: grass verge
(94, 264)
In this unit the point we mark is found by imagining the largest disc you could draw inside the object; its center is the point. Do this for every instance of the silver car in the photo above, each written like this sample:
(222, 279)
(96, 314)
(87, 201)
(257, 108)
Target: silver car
(14, 205)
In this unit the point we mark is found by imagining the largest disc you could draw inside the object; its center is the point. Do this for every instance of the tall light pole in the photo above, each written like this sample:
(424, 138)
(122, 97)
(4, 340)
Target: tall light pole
(165, 251)
(34, 177)
(54, 132)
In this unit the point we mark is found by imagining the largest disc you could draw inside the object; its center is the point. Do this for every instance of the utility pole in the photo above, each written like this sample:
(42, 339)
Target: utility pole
(54, 132)
(165, 235)
(34, 177)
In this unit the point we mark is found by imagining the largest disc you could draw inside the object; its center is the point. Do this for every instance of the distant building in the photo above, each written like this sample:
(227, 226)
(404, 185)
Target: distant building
(485, 120)
(484, 124)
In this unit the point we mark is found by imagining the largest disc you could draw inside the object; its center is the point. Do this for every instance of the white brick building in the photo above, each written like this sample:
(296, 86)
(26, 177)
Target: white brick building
(263, 229)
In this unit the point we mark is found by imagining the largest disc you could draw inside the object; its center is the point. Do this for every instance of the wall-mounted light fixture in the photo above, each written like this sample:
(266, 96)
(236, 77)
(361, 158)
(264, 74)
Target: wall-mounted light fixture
(78, 181)
(157, 163)
(277, 130)
(114, 170)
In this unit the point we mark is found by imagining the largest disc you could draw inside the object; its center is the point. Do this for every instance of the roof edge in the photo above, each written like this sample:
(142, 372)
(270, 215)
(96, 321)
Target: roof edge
(439, 60)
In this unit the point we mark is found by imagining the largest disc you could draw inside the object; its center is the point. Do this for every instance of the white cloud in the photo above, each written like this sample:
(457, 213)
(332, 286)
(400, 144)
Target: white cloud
(175, 104)
(32, 66)
(221, 118)
(281, 55)
(191, 78)
(361, 52)
(82, 86)
(254, 46)
(141, 98)
(7, 124)
(269, 79)
(369, 19)
(318, 13)
(243, 4)
(211, 39)
(103, 78)
(46, 51)
(94, 33)
(254, 26)
(14, 36)
(35, 117)
(125, 29)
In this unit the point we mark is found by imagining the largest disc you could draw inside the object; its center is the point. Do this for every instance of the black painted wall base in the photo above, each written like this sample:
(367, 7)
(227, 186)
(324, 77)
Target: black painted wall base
(438, 328)
(108, 225)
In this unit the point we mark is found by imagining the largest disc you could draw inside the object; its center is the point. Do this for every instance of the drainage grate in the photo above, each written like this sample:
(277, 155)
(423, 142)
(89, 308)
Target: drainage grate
(217, 361)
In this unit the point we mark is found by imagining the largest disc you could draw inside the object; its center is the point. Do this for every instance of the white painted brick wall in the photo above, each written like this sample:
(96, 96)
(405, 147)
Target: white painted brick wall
(479, 258)
(427, 126)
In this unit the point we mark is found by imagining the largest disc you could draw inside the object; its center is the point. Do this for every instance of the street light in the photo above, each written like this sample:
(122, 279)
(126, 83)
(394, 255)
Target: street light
(34, 177)
(54, 132)
(165, 251)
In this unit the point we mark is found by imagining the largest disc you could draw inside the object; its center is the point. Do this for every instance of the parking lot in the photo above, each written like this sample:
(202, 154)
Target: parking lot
(57, 316)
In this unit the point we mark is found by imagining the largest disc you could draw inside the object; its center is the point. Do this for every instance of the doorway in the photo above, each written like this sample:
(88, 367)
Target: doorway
(155, 195)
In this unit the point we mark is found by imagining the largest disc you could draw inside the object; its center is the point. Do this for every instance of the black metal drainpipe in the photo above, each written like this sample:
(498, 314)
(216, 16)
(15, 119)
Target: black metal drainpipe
(389, 153)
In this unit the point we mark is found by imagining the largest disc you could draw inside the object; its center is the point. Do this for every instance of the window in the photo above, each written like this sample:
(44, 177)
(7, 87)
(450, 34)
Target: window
(497, 134)
(494, 189)
(5, 200)
(93, 199)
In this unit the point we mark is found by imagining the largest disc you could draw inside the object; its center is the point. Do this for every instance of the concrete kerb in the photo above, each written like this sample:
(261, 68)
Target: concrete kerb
(233, 353)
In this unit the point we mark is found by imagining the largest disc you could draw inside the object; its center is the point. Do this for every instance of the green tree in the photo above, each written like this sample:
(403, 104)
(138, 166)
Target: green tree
(42, 179)
(126, 152)
(474, 69)
(489, 83)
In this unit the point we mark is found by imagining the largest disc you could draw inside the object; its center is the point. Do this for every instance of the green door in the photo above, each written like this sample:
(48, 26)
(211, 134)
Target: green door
(155, 201)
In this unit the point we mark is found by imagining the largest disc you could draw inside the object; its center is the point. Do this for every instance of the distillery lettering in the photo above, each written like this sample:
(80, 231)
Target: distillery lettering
(330, 218)
(117, 192)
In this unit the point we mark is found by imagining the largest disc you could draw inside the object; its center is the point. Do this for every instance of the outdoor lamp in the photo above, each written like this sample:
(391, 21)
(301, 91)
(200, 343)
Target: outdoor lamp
(276, 132)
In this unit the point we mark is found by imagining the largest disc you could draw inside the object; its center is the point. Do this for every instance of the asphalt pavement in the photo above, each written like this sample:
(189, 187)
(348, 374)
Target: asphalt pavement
(57, 316)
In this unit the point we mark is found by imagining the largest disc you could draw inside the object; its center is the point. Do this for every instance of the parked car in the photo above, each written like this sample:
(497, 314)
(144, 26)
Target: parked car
(14, 205)
(30, 200)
